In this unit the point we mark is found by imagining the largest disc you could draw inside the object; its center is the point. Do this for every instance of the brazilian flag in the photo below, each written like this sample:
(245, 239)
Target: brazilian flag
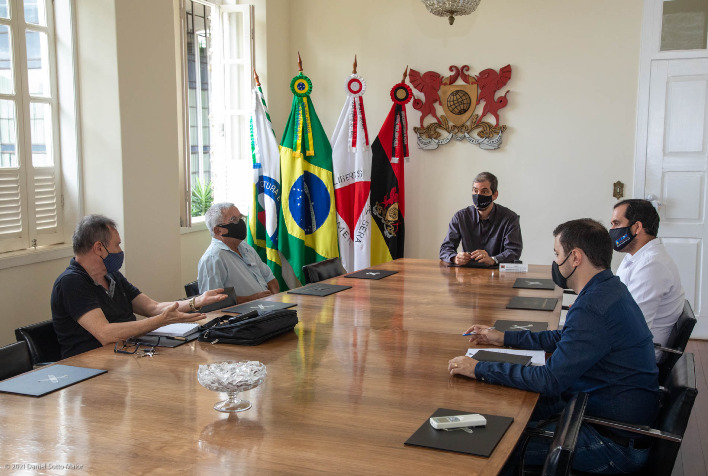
(307, 231)
(264, 216)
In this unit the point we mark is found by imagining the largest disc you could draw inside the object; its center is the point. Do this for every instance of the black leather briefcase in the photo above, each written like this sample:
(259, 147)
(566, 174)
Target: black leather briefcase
(251, 328)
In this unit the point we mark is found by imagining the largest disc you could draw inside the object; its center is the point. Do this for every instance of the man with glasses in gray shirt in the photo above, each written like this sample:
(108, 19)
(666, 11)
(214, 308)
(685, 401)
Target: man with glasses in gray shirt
(490, 233)
(230, 261)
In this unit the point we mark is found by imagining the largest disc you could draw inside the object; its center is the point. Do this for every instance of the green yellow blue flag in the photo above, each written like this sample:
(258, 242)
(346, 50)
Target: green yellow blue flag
(307, 230)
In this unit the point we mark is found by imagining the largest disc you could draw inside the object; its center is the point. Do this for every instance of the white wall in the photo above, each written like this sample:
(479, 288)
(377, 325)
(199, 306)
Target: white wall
(571, 112)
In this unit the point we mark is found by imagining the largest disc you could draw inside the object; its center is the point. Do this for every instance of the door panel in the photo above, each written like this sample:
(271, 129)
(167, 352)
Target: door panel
(676, 167)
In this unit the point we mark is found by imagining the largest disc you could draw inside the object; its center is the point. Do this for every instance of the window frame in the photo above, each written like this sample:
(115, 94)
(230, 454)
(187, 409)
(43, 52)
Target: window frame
(66, 137)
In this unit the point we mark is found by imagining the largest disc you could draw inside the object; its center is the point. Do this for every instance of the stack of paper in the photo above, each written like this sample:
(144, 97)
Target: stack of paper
(175, 330)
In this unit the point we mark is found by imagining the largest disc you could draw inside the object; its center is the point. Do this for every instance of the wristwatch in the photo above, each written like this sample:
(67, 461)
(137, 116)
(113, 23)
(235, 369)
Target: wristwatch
(495, 260)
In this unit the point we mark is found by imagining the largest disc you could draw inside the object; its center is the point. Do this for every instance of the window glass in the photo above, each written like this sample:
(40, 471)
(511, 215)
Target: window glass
(38, 63)
(684, 25)
(41, 133)
(35, 12)
(8, 135)
(6, 75)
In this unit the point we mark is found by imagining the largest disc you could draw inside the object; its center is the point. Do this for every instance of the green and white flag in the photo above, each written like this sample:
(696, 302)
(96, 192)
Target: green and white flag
(263, 218)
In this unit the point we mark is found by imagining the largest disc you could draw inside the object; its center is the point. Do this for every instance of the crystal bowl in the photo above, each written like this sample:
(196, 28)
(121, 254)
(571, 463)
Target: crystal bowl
(232, 377)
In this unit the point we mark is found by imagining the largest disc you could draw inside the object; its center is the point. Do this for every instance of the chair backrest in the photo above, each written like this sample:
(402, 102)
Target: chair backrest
(678, 339)
(326, 269)
(42, 342)
(14, 360)
(673, 417)
(560, 455)
(192, 289)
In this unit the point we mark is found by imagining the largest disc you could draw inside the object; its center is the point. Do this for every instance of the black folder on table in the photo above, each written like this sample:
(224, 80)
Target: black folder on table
(47, 379)
(530, 283)
(480, 442)
(261, 306)
(319, 289)
(491, 356)
(532, 303)
(371, 274)
(504, 325)
(167, 341)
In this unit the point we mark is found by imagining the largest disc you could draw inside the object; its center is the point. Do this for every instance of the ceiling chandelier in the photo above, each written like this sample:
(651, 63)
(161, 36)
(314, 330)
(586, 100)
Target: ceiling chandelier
(451, 8)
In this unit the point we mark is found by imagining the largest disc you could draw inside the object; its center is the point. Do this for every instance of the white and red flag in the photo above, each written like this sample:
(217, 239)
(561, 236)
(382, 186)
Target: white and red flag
(351, 161)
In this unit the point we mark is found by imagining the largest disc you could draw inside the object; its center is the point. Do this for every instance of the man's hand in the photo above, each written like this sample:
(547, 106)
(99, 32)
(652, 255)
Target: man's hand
(462, 257)
(171, 315)
(462, 365)
(210, 297)
(482, 256)
(485, 335)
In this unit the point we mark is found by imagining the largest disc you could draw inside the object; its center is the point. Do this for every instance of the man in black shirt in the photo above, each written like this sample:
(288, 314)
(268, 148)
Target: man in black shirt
(94, 305)
(490, 233)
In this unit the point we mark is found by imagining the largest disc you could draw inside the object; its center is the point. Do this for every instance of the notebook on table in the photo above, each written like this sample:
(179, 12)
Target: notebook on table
(47, 379)
(179, 329)
(261, 306)
(504, 325)
(530, 283)
(371, 274)
(479, 441)
(532, 303)
(319, 289)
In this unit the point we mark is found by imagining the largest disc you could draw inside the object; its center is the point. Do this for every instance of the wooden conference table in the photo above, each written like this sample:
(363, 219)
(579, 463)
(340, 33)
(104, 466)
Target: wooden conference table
(362, 371)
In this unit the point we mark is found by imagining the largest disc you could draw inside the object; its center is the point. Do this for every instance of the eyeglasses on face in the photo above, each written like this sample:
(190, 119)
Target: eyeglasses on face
(233, 219)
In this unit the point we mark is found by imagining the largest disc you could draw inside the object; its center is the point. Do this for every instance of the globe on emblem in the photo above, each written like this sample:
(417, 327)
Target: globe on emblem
(459, 102)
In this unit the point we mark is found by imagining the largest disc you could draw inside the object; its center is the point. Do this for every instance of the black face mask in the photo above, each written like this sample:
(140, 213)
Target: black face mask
(481, 202)
(558, 278)
(235, 230)
(621, 237)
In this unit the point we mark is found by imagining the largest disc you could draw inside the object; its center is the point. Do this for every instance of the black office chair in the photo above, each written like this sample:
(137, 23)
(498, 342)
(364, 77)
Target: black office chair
(667, 431)
(192, 289)
(565, 438)
(42, 342)
(676, 345)
(326, 269)
(14, 360)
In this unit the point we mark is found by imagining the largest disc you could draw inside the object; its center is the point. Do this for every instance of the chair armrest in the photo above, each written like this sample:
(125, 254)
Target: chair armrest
(667, 349)
(638, 429)
(538, 432)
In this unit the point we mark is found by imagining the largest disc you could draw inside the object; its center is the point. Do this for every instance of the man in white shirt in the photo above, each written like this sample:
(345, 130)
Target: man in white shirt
(230, 261)
(648, 271)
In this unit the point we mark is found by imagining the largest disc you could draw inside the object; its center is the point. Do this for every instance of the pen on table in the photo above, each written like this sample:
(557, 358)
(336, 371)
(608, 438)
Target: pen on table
(474, 333)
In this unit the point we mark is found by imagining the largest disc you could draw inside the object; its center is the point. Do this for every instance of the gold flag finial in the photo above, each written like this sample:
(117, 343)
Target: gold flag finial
(299, 62)
(405, 74)
(255, 75)
(354, 66)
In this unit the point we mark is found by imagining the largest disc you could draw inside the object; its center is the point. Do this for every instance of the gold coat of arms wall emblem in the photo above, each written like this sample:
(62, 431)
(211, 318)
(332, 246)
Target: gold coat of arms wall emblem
(459, 102)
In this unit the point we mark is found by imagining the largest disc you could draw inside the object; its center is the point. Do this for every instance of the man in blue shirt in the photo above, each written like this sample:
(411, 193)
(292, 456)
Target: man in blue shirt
(230, 261)
(605, 349)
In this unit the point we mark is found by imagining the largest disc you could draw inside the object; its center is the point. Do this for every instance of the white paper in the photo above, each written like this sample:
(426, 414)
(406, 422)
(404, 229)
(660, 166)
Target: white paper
(179, 329)
(538, 357)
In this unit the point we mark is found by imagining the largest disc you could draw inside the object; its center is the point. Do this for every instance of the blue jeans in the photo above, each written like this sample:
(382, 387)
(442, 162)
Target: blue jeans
(594, 453)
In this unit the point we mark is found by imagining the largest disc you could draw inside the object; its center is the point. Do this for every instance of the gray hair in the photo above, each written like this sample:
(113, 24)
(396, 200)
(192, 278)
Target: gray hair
(214, 215)
(488, 177)
(89, 230)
